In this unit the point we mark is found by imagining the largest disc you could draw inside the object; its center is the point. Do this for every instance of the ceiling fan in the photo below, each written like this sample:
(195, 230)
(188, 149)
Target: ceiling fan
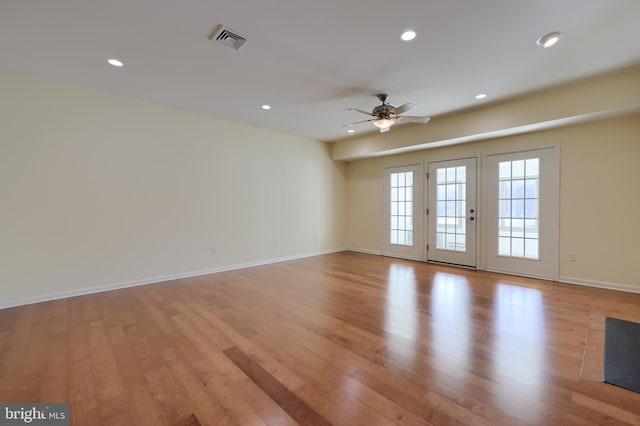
(385, 115)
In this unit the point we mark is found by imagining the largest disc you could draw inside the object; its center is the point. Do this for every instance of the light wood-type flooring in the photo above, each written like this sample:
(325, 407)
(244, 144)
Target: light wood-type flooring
(344, 339)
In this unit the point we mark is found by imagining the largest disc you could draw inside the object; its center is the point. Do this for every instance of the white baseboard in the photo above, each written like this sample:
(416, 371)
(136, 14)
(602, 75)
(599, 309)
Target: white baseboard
(154, 280)
(505, 272)
(600, 284)
(366, 251)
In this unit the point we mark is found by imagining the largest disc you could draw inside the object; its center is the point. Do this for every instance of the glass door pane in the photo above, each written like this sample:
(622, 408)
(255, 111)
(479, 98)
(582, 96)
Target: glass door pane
(518, 189)
(451, 195)
(401, 208)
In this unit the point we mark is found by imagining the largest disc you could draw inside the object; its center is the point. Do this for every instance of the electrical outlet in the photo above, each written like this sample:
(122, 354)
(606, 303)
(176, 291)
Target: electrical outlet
(213, 251)
(572, 256)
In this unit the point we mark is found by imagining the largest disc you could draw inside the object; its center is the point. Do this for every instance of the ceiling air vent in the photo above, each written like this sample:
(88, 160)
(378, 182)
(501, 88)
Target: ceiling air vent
(228, 38)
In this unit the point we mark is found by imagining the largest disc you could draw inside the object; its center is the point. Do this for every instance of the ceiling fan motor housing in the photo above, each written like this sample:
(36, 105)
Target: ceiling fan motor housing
(384, 111)
(387, 114)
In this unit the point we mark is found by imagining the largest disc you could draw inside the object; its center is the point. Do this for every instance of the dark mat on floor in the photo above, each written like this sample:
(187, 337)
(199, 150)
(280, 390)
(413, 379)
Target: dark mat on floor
(622, 354)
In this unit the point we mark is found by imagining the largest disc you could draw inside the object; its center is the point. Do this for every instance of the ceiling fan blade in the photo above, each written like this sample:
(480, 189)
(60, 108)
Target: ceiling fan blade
(361, 111)
(358, 122)
(413, 119)
(405, 108)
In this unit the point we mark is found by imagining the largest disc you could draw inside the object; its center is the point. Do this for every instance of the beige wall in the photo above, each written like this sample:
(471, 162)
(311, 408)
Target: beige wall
(599, 191)
(607, 95)
(97, 190)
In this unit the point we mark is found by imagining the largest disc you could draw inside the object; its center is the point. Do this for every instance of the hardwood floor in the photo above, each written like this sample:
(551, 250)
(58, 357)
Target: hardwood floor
(344, 339)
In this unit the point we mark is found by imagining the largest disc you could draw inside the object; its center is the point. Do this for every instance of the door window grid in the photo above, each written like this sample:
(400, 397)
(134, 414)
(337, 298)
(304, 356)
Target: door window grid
(518, 207)
(451, 208)
(401, 208)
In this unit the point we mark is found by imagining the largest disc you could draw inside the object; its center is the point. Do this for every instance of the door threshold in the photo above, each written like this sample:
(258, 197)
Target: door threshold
(436, 262)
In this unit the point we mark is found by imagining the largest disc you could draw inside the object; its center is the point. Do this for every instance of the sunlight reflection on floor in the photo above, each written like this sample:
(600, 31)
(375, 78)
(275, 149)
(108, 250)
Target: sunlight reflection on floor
(401, 308)
(519, 343)
(450, 323)
(516, 341)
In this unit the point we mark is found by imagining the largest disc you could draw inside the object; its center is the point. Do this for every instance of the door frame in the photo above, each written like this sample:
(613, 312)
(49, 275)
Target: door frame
(551, 232)
(478, 211)
(417, 251)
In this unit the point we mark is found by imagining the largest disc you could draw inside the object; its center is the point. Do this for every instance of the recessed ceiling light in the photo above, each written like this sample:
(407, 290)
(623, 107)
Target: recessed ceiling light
(115, 62)
(265, 106)
(481, 96)
(350, 131)
(548, 40)
(408, 35)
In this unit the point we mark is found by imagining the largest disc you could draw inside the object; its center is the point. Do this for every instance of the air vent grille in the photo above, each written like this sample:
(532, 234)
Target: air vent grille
(229, 38)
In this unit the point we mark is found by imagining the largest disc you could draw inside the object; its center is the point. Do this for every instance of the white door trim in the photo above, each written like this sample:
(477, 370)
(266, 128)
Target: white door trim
(470, 258)
(549, 255)
(416, 251)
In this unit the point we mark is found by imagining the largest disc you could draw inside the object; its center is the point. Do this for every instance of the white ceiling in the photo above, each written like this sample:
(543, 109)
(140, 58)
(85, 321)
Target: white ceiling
(312, 60)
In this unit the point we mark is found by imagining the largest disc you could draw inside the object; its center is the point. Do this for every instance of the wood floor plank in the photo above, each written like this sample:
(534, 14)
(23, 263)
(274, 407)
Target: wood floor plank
(15, 342)
(351, 363)
(85, 412)
(286, 399)
(206, 408)
(55, 378)
(219, 378)
(105, 370)
(607, 409)
(356, 394)
(344, 338)
(33, 364)
(593, 358)
(268, 410)
(115, 411)
(143, 407)
(175, 408)
(81, 379)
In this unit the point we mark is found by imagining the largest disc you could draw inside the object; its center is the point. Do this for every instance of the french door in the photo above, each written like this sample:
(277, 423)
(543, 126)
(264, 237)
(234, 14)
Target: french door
(402, 209)
(521, 212)
(452, 212)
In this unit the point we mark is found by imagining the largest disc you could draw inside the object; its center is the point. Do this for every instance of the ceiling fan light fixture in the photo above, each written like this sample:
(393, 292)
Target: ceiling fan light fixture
(384, 122)
(548, 40)
(386, 115)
